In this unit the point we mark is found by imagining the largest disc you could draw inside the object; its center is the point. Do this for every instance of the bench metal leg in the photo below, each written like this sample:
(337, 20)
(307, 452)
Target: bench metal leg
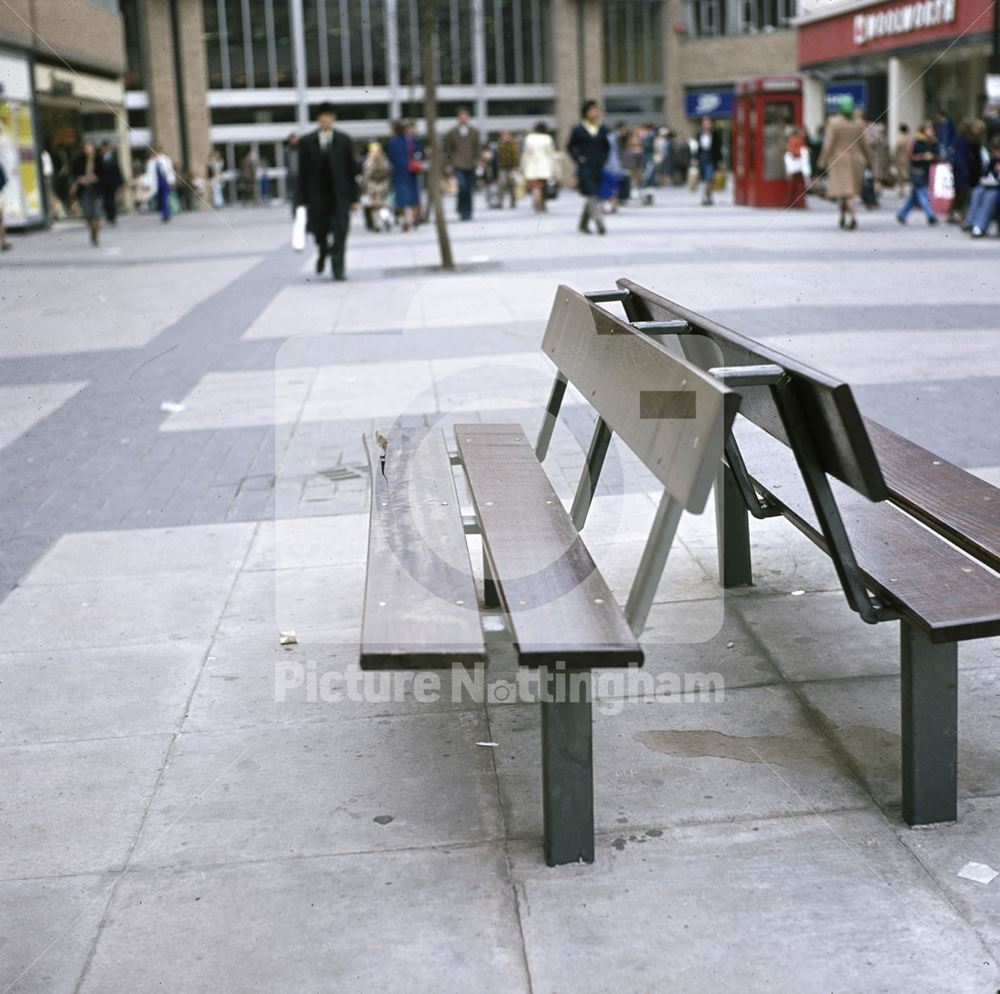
(490, 596)
(591, 474)
(567, 769)
(929, 728)
(732, 523)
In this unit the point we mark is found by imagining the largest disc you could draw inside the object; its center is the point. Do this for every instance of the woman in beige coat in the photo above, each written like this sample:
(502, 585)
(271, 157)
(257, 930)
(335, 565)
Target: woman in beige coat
(844, 157)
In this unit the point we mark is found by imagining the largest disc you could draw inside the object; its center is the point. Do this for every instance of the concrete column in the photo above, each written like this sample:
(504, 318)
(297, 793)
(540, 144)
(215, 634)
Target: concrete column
(195, 79)
(299, 62)
(578, 30)
(813, 102)
(673, 49)
(906, 93)
(162, 85)
(161, 61)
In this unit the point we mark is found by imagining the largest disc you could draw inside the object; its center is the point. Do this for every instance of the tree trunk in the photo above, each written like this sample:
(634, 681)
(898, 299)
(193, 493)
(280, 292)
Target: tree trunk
(428, 67)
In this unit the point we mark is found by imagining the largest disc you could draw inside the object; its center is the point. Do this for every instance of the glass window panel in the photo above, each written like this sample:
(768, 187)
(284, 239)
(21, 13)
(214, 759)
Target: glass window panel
(135, 62)
(234, 36)
(258, 34)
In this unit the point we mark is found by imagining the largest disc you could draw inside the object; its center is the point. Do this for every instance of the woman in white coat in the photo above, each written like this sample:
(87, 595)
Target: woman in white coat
(538, 163)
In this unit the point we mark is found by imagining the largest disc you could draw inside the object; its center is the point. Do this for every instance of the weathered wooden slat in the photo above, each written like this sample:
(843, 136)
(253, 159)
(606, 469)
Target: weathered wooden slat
(421, 608)
(963, 508)
(944, 593)
(671, 414)
(828, 405)
(560, 607)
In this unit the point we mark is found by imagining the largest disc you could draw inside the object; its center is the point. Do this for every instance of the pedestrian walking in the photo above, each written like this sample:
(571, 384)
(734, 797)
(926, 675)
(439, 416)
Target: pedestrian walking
(375, 177)
(508, 159)
(798, 168)
(709, 158)
(406, 157)
(964, 166)
(538, 163)
(328, 189)
(5, 245)
(88, 181)
(248, 189)
(589, 148)
(112, 181)
(462, 148)
(901, 159)
(161, 180)
(923, 152)
(291, 168)
(214, 169)
(844, 157)
(986, 196)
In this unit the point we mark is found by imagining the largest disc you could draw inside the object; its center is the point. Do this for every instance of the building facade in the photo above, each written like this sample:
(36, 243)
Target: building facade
(902, 60)
(242, 74)
(61, 67)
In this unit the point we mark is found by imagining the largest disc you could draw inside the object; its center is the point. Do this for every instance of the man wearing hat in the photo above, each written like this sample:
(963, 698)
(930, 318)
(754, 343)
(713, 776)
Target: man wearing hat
(327, 188)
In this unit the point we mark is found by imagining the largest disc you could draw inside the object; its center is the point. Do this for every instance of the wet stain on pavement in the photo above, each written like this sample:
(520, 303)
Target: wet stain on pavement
(778, 750)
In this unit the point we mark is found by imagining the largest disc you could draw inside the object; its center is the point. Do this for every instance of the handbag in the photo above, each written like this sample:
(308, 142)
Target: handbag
(414, 165)
(299, 229)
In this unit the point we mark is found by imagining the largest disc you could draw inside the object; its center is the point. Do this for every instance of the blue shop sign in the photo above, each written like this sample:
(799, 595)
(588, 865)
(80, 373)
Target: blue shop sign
(708, 103)
(856, 88)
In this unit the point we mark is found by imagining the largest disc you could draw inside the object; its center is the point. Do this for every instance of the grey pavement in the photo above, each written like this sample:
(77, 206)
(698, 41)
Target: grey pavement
(190, 806)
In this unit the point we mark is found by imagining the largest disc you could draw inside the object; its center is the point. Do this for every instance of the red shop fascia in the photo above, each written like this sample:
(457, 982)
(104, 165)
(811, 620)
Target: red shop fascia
(876, 28)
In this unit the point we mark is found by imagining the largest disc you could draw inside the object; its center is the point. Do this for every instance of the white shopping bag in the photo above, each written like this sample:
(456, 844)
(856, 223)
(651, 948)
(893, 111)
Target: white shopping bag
(299, 230)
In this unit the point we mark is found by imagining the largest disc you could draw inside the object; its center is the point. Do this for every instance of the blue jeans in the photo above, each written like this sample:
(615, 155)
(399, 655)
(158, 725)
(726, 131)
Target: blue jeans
(466, 181)
(918, 196)
(982, 207)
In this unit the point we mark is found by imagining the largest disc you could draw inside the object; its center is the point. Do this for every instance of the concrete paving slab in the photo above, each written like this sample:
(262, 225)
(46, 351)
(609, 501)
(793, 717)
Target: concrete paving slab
(75, 807)
(680, 760)
(686, 622)
(826, 904)
(863, 717)
(731, 658)
(174, 607)
(290, 543)
(83, 556)
(943, 850)
(313, 789)
(818, 637)
(425, 921)
(49, 927)
(246, 683)
(96, 693)
(26, 404)
(320, 604)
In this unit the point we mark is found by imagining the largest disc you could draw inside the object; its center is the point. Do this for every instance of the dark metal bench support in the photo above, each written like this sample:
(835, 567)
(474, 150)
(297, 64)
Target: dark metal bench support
(490, 596)
(929, 728)
(567, 767)
(732, 523)
(591, 474)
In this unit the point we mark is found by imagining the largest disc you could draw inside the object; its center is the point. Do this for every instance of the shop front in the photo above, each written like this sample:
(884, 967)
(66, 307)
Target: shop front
(73, 106)
(905, 59)
(23, 204)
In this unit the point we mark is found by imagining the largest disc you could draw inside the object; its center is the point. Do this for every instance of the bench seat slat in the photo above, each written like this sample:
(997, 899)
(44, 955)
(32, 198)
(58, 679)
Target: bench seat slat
(560, 607)
(421, 607)
(945, 497)
(944, 593)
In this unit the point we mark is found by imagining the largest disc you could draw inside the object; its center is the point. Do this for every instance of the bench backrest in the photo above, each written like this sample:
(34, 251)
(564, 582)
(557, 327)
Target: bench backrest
(838, 432)
(670, 413)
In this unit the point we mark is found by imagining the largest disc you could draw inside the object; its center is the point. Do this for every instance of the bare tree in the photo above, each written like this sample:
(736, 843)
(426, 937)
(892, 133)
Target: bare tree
(430, 11)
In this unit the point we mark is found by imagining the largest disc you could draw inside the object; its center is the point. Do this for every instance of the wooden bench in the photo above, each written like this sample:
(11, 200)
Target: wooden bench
(422, 608)
(913, 538)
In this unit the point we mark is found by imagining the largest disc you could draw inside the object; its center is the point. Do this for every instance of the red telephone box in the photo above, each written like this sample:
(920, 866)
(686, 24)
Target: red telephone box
(764, 110)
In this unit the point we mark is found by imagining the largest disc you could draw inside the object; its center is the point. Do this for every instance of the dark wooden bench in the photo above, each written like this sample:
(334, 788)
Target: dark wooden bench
(913, 538)
(422, 608)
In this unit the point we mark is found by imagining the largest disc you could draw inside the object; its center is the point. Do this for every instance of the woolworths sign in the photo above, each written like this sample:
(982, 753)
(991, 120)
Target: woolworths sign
(902, 20)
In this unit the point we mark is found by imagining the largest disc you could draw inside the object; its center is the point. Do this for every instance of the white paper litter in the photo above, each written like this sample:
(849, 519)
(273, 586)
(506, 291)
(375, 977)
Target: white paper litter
(289, 638)
(979, 872)
(488, 745)
(797, 593)
(172, 407)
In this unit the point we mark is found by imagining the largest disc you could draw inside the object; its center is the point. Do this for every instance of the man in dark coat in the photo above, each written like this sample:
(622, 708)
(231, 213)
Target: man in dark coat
(589, 146)
(327, 188)
(111, 181)
(462, 149)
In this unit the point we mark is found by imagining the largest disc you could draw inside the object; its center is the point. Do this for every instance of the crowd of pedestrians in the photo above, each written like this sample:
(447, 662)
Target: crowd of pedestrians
(847, 160)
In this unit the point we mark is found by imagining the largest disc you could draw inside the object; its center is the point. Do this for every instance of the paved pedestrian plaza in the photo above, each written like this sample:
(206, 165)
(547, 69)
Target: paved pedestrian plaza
(189, 806)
